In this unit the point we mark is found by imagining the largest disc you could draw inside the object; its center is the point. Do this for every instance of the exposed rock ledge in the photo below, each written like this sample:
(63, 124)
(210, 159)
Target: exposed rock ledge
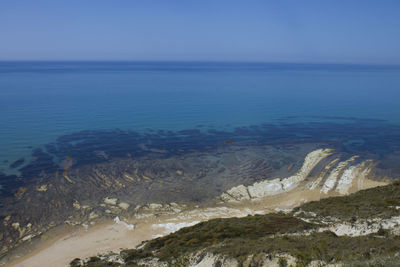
(202, 259)
(337, 177)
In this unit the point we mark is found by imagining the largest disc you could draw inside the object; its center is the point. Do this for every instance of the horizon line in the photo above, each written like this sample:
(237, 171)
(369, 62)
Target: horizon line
(199, 61)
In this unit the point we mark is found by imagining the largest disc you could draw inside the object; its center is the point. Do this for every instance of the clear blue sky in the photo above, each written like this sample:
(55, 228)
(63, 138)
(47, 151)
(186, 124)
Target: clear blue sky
(362, 31)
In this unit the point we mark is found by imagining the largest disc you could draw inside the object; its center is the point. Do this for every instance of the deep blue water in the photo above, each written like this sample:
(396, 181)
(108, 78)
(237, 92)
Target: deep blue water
(40, 101)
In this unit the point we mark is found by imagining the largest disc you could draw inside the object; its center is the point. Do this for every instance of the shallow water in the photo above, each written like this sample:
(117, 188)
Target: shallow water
(75, 133)
(42, 101)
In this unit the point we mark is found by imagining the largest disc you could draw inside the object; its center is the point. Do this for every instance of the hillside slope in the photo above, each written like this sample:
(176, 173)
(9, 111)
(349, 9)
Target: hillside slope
(362, 229)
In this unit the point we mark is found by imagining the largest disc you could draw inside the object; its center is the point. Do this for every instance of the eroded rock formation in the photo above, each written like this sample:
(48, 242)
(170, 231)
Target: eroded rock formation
(334, 176)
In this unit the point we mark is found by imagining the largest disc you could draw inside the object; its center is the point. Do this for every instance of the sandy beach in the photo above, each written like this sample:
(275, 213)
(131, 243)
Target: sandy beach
(114, 235)
(111, 236)
(107, 236)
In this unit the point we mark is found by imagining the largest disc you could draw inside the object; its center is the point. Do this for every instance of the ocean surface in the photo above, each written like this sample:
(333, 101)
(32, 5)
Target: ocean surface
(43, 101)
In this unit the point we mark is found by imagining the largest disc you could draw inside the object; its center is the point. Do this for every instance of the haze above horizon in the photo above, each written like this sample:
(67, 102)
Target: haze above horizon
(360, 32)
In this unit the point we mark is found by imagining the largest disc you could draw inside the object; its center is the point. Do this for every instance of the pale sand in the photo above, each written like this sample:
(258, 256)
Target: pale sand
(109, 236)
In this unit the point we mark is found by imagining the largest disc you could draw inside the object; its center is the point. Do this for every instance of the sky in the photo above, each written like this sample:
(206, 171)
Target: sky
(330, 31)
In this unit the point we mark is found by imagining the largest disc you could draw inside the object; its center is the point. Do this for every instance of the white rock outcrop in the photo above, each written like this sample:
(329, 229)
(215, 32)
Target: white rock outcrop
(359, 171)
(110, 201)
(123, 205)
(327, 168)
(239, 192)
(333, 176)
(338, 177)
(261, 259)
(278, 185)
(130, 227)
(362, 228)
(76, 205)
(93, 215)
(173, 227)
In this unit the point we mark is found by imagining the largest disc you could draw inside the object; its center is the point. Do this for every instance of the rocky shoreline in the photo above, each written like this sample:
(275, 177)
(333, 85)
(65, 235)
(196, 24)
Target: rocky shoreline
(318, 168)
(87, 176)
(366, 232)
(119, 187)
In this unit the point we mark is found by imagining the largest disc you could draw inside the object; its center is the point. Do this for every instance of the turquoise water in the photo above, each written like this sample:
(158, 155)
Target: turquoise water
(40, 101)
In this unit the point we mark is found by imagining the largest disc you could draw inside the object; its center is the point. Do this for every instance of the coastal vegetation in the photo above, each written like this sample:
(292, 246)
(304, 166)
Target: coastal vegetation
(382, 202)
(234, 236)
(275, 234)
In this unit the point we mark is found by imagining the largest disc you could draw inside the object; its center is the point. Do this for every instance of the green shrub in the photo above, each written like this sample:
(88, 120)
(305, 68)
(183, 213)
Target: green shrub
(374, 202)
(270, 234)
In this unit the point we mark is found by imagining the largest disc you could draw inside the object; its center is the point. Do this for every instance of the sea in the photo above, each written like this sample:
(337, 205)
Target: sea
(43, 102)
